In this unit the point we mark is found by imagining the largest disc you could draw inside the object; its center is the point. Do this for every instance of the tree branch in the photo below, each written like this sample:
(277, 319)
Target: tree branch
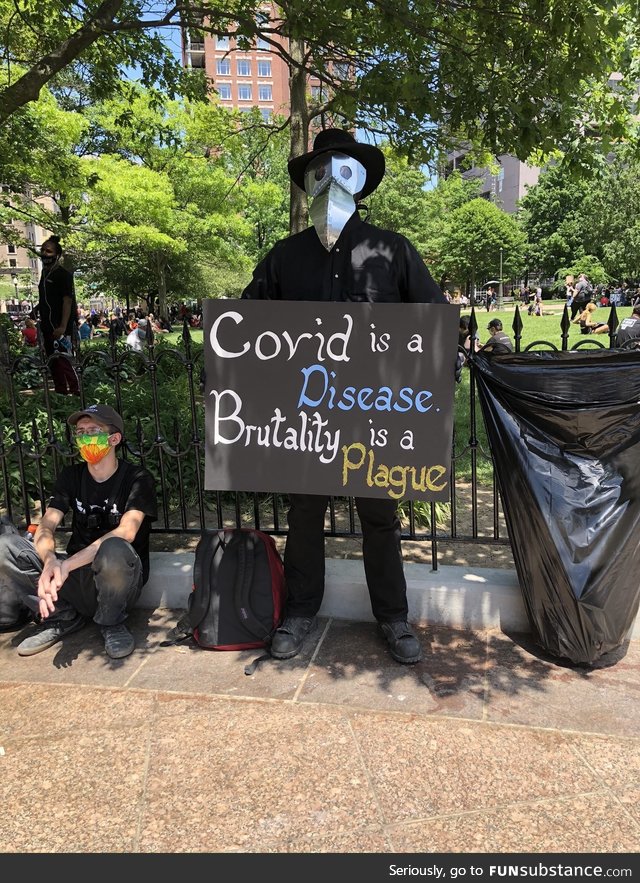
(28, 87)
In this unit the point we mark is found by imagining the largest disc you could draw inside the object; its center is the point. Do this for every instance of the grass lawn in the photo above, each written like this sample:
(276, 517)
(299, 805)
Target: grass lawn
(537, 328)
(174, 336)
(545, 327)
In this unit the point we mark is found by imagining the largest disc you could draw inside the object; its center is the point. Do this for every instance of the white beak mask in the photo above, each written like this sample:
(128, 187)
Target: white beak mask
(332, 180)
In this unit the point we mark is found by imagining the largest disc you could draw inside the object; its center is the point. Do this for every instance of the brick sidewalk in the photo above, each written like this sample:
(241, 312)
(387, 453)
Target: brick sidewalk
(486, 746)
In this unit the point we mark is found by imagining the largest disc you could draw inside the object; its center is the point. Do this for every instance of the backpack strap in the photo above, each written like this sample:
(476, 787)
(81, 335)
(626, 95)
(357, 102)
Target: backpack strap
(198, 602)
(181, 630)
(208, 556)
(252, 666)
(246, 546)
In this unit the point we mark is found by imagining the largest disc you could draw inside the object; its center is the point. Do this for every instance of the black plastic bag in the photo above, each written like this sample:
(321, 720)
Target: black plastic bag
(564, 431)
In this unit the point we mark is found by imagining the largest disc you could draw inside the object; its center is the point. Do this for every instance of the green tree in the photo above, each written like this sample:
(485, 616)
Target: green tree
(587, 264)
(400, 202)
(471, 240)
(553, 216)
(613, 212)
(449, 194)
(425, 74)
(221, 161)
(136, 228)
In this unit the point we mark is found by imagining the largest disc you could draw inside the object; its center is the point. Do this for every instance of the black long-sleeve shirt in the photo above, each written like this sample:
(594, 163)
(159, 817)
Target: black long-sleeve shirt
(366, 264)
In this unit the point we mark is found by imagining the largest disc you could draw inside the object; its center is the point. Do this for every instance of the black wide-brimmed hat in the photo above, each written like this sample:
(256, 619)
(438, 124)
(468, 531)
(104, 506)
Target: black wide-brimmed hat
(372, 158)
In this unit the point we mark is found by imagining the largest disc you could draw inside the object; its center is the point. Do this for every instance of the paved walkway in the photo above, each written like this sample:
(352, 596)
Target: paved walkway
(484, 747)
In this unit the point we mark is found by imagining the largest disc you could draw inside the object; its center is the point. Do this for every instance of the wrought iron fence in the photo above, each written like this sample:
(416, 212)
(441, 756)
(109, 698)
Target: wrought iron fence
(159, 393)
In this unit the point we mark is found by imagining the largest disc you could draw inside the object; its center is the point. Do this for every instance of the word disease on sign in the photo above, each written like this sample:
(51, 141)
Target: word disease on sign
(345, 408)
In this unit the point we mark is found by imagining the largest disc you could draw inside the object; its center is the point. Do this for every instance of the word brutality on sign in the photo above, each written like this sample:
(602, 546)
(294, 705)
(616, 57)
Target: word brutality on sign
(344, 399)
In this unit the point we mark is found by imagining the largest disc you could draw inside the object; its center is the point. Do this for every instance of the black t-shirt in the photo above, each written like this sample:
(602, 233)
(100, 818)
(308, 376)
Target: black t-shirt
(54, 286)
(628, 329)
(500, 342)
(97, 506)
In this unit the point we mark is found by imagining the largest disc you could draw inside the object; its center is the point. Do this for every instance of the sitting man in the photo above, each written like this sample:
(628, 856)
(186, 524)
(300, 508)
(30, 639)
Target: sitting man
(629, 329)
(113, 503)
(499, 342)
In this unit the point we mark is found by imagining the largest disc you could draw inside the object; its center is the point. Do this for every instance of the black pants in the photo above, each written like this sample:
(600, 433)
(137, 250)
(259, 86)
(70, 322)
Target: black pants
(577, 307)
(103, 590)
(65, 379)
(304, 556)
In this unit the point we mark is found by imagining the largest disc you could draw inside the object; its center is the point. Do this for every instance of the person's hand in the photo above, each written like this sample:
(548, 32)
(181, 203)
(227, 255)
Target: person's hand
(52, 578)
(58, 332)
(460, 360)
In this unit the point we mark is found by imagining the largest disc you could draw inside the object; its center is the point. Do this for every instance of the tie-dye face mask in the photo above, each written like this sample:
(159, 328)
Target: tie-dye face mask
(93, 447)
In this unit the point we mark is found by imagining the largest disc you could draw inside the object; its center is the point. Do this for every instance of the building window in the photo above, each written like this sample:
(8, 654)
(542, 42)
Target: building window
(195, 41)
(222, 43)
(342, 70)
(265, 93)
(266, 114)
(244, 92)
(13, 262)
(223, 67)
(316, 93)
(244, 67)
(264, 68)
(224, 91)
(262, 22)
(11, 249)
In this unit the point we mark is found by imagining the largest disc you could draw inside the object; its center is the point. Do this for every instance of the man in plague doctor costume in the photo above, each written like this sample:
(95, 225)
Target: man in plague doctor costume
(343, 258)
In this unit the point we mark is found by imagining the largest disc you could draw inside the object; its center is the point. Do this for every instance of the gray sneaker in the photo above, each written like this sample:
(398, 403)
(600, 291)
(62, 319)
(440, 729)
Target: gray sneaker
(118, 641)
(49, 633)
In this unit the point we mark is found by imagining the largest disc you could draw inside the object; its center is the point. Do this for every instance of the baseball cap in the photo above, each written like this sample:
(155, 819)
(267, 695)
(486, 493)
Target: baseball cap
(103, 413)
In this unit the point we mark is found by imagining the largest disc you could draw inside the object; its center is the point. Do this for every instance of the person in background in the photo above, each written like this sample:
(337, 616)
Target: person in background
(85, 330)
(330, 261)
(587, 322)
(629, 328)
(464, 334)
(57, 312)
(112, 504)
(582, 295)
(29, 332)
(499, 341)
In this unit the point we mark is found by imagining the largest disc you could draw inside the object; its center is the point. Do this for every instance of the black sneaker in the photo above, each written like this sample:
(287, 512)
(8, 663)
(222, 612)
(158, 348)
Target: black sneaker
(403, 644)
(118, 641)
(288, 639)
(49, 633)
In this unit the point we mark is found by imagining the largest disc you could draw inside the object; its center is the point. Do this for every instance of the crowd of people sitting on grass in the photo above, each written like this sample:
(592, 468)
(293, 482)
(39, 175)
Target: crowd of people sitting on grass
(94, 323)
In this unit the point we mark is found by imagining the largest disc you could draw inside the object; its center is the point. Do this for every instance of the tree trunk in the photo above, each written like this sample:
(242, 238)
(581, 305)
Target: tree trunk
(298, 217)
(162, 289)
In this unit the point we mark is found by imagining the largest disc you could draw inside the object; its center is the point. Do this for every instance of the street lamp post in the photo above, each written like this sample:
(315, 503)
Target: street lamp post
(500, 290)
(14, 279)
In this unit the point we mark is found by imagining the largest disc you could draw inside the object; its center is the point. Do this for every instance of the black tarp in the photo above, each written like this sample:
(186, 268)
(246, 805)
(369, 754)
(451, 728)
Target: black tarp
(564, 432)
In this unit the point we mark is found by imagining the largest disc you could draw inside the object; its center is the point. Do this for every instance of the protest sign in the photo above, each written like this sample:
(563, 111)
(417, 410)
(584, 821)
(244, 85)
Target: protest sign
(345, 399)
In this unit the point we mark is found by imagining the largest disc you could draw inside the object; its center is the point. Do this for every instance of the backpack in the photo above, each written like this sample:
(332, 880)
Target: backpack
(238, 593)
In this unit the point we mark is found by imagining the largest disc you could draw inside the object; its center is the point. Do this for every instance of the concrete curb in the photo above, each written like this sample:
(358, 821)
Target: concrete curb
(457, 597)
